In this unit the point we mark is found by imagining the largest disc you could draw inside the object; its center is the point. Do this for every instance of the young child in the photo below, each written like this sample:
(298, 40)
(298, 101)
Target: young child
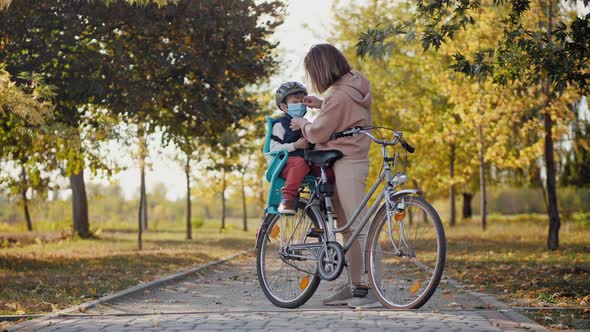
(288, 98)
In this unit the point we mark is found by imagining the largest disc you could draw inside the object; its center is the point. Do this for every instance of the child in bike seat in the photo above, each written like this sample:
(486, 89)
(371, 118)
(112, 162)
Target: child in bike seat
(289, 97)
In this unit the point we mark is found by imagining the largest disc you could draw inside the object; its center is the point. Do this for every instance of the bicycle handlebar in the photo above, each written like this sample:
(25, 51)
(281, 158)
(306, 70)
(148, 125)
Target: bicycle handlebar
(348, 132)
(407, 146)
(364, 130)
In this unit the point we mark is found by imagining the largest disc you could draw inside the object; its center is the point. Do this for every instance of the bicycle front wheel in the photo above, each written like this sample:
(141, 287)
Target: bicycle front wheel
(406, 253)
(287, 277)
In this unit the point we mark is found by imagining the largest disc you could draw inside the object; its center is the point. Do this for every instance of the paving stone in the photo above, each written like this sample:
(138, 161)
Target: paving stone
(211, 301)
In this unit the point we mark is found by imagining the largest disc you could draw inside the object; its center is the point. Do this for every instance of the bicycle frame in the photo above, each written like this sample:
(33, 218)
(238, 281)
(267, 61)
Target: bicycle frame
(389, 191)
(392, 181)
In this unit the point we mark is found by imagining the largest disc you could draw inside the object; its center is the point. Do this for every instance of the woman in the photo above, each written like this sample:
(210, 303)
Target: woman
(347, 104)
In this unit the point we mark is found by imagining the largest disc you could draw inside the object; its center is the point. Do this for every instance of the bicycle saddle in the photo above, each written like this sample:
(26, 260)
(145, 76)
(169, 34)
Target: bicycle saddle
(324, 157)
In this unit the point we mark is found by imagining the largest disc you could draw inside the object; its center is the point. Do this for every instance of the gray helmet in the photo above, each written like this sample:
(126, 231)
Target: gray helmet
(287, 89)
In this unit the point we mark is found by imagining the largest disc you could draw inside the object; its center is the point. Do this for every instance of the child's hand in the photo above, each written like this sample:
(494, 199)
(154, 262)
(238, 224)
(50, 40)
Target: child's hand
(312, 101)
(297, 123)
(301, 143)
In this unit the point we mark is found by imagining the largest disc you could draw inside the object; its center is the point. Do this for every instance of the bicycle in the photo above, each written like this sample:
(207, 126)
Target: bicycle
(405, 246)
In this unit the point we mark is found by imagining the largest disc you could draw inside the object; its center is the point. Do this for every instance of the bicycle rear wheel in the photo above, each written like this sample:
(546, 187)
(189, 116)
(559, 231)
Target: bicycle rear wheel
(406, 253)
(287, 282)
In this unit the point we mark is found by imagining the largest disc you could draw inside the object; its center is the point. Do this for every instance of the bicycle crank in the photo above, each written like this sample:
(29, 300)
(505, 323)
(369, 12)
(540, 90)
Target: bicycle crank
(331, 261)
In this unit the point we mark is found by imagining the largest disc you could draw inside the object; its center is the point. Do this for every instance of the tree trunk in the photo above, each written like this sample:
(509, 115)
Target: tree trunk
(482, 182)
(554, 222)
(207, 212)
(142, 193)
(26, 210)
(140, 218)
(25, 200)
(80, 205)
(553, 211)
(223, 200)
(187, 170)
(244, 210)
(143, 202)
(467, 212)
(453, 219)
(141, 212)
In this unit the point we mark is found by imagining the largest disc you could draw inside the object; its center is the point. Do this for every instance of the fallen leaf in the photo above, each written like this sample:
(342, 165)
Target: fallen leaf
(455, 305)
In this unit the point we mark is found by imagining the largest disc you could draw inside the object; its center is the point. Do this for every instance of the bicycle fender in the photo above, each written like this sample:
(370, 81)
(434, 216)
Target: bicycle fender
(406, 192)
(262, 228)
(319, 216)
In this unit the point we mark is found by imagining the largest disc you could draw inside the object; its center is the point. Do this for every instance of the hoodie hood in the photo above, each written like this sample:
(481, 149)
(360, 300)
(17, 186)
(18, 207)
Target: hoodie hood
(356, 86)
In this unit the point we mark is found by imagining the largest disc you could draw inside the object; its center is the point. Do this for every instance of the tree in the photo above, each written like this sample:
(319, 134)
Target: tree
(248, 144)
(410, 94)
(224, 156)
(533, 49)
(23, 147)
(189, 145)
(190, 68)
(195, 58)
(33, 107)
(61, 49)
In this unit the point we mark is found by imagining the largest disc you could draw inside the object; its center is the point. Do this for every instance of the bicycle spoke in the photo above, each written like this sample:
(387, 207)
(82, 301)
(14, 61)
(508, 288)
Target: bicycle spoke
(283, 271)
(409, 275)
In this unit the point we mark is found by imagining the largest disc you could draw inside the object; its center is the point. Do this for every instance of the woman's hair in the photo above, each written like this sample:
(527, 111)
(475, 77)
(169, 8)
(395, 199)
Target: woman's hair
(324, 65)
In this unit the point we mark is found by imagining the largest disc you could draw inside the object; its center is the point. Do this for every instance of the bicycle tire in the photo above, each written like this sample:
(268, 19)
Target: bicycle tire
(261, 259)
(406, 290)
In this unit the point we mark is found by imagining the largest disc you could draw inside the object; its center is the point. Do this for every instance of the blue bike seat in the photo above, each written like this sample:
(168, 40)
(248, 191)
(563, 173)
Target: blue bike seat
(276, 162)
(325, 158)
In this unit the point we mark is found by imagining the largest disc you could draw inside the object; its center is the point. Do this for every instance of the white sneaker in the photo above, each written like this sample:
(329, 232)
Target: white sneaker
(370, 301)
(288, 207)
(341, 296)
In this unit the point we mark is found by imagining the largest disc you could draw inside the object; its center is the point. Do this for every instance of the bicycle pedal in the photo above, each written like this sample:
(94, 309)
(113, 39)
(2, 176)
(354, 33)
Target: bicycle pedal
(360, 291)
(315, 232)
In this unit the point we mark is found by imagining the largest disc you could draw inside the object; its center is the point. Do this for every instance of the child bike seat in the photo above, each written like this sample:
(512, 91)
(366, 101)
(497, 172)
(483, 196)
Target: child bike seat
(276, 161)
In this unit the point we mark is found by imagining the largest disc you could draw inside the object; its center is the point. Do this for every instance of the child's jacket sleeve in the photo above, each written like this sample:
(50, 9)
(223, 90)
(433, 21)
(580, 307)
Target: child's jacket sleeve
(276, 140)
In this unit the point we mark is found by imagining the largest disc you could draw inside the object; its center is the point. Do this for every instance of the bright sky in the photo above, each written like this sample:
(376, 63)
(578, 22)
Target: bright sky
(307, 23)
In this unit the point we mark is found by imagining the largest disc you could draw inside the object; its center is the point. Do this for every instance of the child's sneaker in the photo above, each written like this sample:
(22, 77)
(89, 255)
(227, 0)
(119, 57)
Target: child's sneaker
(288, 206)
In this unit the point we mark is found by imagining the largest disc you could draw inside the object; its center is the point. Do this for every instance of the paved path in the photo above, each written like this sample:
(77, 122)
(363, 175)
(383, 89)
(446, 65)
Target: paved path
(227, 297)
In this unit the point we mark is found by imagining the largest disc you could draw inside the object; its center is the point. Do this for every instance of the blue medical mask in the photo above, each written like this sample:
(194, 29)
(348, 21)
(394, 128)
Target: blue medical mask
(296, 110)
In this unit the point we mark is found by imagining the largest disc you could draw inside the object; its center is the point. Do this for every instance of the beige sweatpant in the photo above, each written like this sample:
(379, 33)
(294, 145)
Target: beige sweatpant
(349, 191)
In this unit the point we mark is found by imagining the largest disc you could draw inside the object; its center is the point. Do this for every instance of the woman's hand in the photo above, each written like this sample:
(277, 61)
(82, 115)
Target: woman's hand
(312, 101)
(297, 123)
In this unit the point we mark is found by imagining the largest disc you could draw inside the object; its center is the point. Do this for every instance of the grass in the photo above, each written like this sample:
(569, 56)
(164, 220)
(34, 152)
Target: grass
(45, 277)
(510, 261)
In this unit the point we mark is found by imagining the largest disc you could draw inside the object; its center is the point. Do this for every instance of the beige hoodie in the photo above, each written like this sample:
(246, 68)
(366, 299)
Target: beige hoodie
(347, 104)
